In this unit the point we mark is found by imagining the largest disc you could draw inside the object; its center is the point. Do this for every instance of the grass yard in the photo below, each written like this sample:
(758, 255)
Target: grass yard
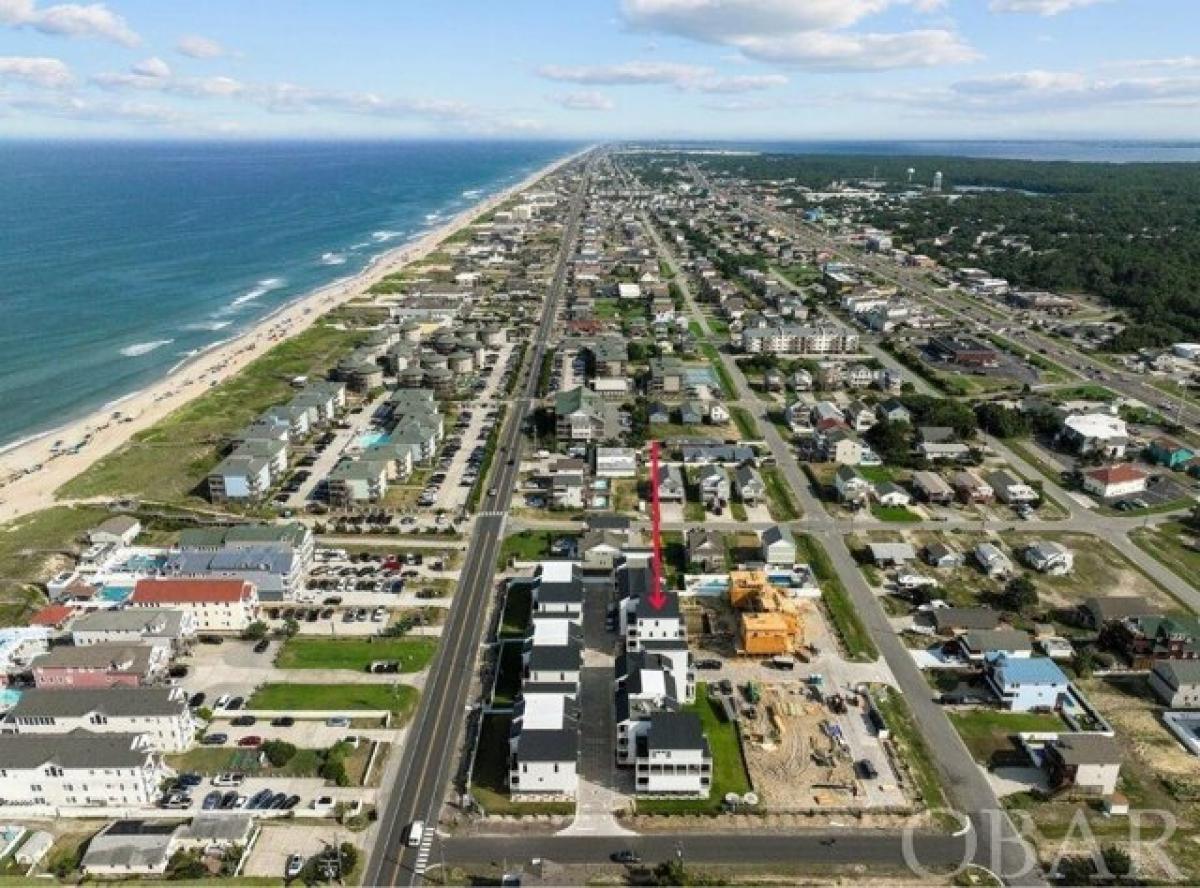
(729, 767)
(489, 784)
(842, 615)
(508, 678)
(898, 514)
(29, 544)
(911, 745)
(528, 545)
(169, 461)
(1172, 543)
(779, 496)
(990, 731)
(1099, 570)
(746, 424)
(737, 509)
(298, 652)
(874, 474)
(718, 365)
(518, 602)
(398, 699)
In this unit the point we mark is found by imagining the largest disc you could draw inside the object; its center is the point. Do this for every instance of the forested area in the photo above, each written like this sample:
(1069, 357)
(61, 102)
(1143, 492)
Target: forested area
(1128, 233)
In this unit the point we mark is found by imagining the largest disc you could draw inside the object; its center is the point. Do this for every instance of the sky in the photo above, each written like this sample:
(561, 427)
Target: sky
(601, 69)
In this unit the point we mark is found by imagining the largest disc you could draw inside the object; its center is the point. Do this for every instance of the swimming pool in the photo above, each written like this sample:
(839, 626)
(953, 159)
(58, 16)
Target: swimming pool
(143, 563)
(115, 593)
(696, 376)
(9, 697)
(371, 439)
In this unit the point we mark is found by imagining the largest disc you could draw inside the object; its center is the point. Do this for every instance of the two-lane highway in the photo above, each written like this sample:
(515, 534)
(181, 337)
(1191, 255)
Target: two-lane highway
(432, 744)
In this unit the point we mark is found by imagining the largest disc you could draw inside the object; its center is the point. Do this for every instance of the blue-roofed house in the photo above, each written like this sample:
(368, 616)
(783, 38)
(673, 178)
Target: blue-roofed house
(1026, 684)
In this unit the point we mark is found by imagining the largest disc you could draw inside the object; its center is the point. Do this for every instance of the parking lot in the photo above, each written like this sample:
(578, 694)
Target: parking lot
(278, 841)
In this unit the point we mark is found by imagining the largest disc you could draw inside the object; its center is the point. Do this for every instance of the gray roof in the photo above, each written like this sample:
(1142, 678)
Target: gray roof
(130, 844)
(213, 829)
(1086, 749)
(77, 749)
(113, 702)
(1177, 673)
(676, 730)
(556, 745)
(149, 621)
(988, 640)
(132, 657)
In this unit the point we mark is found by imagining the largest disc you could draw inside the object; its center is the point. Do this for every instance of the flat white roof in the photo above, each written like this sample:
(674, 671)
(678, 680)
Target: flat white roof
(551, 632)
(1097, 425)
(544, 712)
(557, 571)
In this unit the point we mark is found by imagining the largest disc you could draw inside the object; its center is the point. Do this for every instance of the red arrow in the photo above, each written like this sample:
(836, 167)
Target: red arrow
(657, 599)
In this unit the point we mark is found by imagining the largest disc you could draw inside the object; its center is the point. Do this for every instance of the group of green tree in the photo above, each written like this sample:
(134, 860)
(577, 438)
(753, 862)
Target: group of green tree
(1128, 233)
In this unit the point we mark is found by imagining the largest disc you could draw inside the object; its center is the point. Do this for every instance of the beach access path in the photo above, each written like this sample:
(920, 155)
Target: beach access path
(31, 472)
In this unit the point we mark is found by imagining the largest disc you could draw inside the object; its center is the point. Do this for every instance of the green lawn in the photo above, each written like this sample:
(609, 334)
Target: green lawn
(729, 767)
(414, 654)
(737, 510)
(489, 783)
(842, 614)
(782, 504)
(219, 759)
(876, 474)
(899, 514)
(398, 699)
(747, 425)
(528, 545)
(169, 461)
(718, 365)
(911, 746)
(1171, 543)
(989, 731)
(508, 681)
(693, 511)
(518, 602)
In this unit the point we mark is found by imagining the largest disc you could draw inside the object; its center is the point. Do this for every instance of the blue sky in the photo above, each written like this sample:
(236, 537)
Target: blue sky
(591, 69)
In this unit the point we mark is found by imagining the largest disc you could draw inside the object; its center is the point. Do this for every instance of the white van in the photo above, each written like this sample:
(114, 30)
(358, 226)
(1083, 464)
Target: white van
(416, 832)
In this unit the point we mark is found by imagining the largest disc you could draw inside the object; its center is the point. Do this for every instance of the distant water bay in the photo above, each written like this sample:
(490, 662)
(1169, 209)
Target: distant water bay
(118, 260)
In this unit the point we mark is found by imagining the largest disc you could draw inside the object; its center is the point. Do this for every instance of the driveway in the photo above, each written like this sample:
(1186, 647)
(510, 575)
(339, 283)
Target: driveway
(279, 841)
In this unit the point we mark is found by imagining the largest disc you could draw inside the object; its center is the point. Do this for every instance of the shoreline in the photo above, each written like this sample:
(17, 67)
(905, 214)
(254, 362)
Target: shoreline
(31, 469)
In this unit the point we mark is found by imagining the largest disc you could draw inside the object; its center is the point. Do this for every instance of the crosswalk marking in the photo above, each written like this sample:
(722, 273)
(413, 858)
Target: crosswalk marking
(423, 854)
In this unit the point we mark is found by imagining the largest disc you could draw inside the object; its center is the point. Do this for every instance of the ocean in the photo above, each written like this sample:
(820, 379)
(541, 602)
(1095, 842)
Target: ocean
(119, 260)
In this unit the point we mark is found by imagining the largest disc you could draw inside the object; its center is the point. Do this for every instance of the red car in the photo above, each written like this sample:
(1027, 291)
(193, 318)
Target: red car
(251, 740)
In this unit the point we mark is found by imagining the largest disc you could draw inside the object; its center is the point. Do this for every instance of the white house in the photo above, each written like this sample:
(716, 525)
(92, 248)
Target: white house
(991, 560)
(215, 605)
(161, 714)
(80, 769)
(168, 628)
(672, 756)
(1122, 479)
(1050, 558)
(1177, 683)
(778, 545)
(616, 462)
(544, 747)
(1027, 683)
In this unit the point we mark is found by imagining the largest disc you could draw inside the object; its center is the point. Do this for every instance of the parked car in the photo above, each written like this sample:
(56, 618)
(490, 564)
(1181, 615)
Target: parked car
(211, 801)
(294, 866)
(230, 778)
(337, 721)
(243, 721)
(214, 739)
(284, 721)
(261, 647)
(250, 740)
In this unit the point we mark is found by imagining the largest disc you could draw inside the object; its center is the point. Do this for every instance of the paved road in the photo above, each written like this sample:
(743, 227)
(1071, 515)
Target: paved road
(858, 847)
(433, 740)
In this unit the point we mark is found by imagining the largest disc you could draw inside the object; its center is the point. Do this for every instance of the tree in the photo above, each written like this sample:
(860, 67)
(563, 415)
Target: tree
(186, 865)
(890, 440)
(1117, 860)
(255, 631)
(1084, 662)
(1001, 421)
(1020, 593)
(278, 752)
(290, 627)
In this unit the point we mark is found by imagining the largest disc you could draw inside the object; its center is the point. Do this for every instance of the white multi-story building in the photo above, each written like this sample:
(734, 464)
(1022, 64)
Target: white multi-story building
(80, 769)
(162, 627)
(215, 605)
(544, 747)
(672, 757)
(161, 714)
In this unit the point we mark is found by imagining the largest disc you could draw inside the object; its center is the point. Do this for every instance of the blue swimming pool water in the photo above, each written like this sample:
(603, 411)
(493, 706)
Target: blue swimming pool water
(115, 593)
(370, 439)
(9, 697)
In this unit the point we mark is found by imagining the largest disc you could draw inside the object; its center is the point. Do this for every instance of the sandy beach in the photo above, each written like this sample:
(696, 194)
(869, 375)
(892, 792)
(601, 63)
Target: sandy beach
(31, 471)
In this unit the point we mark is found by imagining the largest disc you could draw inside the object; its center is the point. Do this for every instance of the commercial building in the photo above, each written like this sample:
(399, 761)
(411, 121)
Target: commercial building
(80, 769)
(161, 714)
(214, 605)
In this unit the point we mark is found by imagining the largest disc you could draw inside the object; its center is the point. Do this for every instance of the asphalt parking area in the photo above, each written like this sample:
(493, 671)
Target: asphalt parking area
(278, 841)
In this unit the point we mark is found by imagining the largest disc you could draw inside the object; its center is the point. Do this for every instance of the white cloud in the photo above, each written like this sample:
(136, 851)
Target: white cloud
(680, 76)
(69, 20)
(804, 33)
(1177, 62)
(1038, 92)
(584, 101)
(152, 67)
(1040, 7)
(46, 73)
(197, 47)
(75, 107)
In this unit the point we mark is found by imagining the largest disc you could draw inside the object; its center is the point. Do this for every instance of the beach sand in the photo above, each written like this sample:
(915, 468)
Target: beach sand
(31, 471)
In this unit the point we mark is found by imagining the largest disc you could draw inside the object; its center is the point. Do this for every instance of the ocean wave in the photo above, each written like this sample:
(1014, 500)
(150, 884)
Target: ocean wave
(432, 217)
(209, 326)
(262, 288)
(472, 192)
(333, 259)
(144, 348)
(361, 246)
(383, 236)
